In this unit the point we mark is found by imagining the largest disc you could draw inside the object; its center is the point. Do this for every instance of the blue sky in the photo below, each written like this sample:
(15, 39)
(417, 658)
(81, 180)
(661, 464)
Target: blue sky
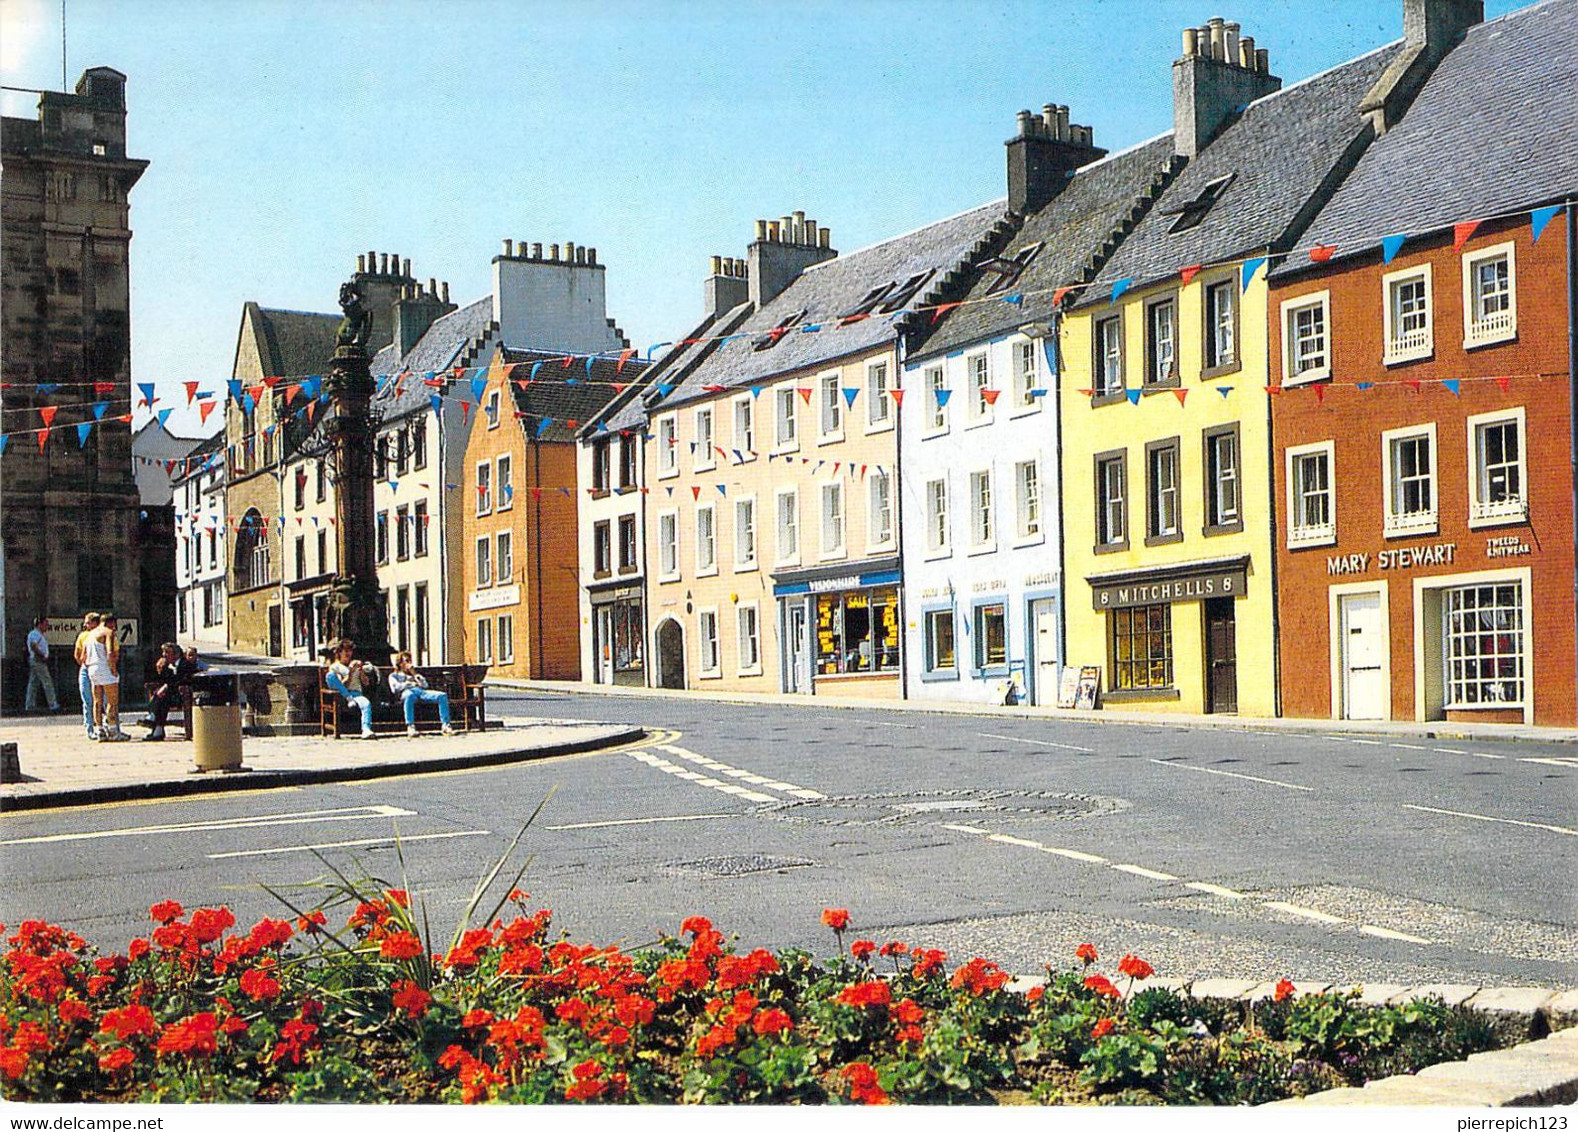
(286, 137)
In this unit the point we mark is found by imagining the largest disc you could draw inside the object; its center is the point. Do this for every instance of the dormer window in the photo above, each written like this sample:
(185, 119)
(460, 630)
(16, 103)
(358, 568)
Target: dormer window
(1009, 269)
(1192, 213)
(902, 294)
(863, 309)
(773, 336)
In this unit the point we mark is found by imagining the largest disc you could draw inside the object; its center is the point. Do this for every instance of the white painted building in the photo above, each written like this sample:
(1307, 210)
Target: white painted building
(200, 548)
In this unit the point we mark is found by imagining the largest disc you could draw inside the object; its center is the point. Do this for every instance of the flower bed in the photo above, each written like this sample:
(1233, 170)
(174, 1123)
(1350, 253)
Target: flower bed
(292, 1010)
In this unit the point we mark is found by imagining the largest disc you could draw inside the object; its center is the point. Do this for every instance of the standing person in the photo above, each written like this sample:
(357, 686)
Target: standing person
(411, 686)
(104, 676)
(90, 622)
(38, 674)
(351, 678)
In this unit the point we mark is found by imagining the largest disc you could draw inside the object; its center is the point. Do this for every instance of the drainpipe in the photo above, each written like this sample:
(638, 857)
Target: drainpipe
(536, 635)
(1572, 381)
(895, 487)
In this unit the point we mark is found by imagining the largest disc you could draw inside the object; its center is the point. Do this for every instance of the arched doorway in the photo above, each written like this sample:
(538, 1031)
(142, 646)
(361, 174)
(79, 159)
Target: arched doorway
(670, 654)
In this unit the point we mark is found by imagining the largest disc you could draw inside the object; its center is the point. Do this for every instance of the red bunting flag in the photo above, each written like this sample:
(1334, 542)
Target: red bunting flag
(624, 356)
(536, 493)
(48, 413)
(103, 388)
(1180, 394)
(290, 393)
(312, 409)
(1189, 272)
(897, 395)
(465, 411)
(836, 464)
(433, 382)
(695, 491)
(1321, 253)
(191, 391)
(124, 418)
(271, 382)
(805, 393)
(1058, 295)
(1320, 394)
(569, 360)
(256, 392)
(1503, 382)
(572, 423)
(990, 395)
(619, 387)
(204, 408)
(1414, 385)
(1086, 392)
(1462, 232)
(43, 439)
(713, 388)
(1274, 389)
(941, 309)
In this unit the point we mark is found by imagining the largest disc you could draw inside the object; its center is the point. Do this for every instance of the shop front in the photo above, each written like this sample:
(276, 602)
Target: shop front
(841, 630)
(1172, 634)
(618, 633)
(309, 617)
(993, 639)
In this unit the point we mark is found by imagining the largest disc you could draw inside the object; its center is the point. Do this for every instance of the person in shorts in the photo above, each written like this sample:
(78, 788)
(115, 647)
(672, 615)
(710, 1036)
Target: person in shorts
(90, 622)
(103, 664)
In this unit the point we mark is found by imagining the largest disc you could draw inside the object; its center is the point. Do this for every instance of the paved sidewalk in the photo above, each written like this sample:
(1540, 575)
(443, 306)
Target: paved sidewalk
(62, 767)
(1436, 729)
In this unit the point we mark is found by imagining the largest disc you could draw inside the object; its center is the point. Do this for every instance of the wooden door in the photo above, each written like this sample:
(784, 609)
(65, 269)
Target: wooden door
(1221, 657)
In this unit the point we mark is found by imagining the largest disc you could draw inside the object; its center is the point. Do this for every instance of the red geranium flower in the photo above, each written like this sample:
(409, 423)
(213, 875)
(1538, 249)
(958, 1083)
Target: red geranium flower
(1284, 990)
(128, 1022)
(772, 1021)
(865, 994)
(195, 1035)
(73, 1010)
(979, 976)
(400, 945)
(1085, 953)
(208, 924)
(116, 1060)
(474, 1018)
(836, 918)
(233, 1025)
(1135, 967)
(1102, 1028)
(398, 896)
(893, 948)
(165, 911)
(862, 1082)
(862, 948)
(137, 949)
(258, 985)
(1035, 994)
(411, 998)
(1102, 985)
(696, 925)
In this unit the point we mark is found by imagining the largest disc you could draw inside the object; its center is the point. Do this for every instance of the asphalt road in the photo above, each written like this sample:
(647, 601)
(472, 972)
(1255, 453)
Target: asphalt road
(1210, 852)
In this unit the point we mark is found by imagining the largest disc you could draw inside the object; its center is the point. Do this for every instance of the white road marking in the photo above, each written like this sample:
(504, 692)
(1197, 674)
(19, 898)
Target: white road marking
(637, 821)
(1486, 755)
(1367, 742)
(1141, 872)
(1408, 746)
(905, 726)
(1558, 761)
(1233, 774)
(789, 788)
(1038, 742)
(1215, 890)
(1448, 751)
(390, 840)
(259, 821)
(701, 780)
(1503, 821)
(1388, 933)
(1300, 910)
(965, 828)
(1074, 855)
(1006, 840)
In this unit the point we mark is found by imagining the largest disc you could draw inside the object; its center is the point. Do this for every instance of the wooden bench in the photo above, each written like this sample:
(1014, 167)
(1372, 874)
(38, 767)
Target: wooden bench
(182, 704)
(467, 702)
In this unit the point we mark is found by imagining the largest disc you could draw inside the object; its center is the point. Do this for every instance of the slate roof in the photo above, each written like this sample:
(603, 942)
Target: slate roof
(451, 340)
(552, 397)
(1071, 229)
(293, 343)
(828, 290)
(627, 411)
(1494, 129)
(1279, 151)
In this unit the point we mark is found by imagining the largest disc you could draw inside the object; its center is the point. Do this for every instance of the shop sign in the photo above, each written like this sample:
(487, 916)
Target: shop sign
(827, 585)
(1401, 558)
(1047, 578)
(1192, 586)
(495, 598)
(1507, 546)
(991, 585)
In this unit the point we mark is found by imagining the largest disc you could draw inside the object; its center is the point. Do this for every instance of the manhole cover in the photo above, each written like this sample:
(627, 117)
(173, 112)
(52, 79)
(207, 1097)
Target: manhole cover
(958, 805)
(739, 866)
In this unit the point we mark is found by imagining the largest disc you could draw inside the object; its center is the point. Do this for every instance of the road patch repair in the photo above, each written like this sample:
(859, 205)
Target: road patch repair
(61, 767)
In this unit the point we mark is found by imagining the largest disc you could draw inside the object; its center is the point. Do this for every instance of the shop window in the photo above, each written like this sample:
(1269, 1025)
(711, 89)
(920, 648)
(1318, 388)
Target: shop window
(627, 544)
(936, 399)
(706, 541)
(786, 434)
(1490, 296)
(668, 546)
(1161, 493)
(748, 639)
(667, 446)
(702, 421)
(506, 640)
(745, 534)
(1497, 492)
(1161, 343)
(629, 633)
(991, 635)
(1409, 333)
(1221, 327)
(1312, 506)
(1408, 456)
(1485, 651)
(601, 552)
(939, 641)
(857, 632)
(1223, 504)
(879, 513)
(879, 406)
(1142, 647)
(788, 526)
(1107, 364)
(1305, 342)
(708, 633)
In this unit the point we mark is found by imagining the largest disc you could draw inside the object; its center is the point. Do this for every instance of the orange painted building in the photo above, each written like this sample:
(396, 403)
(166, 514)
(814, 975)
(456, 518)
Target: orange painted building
(1421, 445)
(520, 571)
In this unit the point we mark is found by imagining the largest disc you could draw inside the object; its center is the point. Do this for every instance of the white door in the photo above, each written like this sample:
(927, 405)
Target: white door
(603, 643)
(1364, 692)
(798, 670)
(1043, 616)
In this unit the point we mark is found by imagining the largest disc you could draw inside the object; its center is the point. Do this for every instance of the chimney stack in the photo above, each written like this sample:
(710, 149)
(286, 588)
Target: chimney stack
(1431, 28)
(724, 289)
(1219, 71)
(782, 250)
(1043, 155)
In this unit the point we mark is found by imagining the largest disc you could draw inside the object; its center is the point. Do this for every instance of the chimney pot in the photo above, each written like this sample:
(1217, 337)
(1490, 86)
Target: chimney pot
(1246, 52)
(1026, 123)
(361, 264)
(591, 257)
(446, 290)
(761, 229)
(536, 250)
(1191, 42)
(553, 253)
(405, 267)
(799, 227)
(432, 287)
(569, 251)
(772, 232)
(810, 233)
(383, 263)
(580, 255)
(1218, 28)
(1230, 43)
(372, 263)
(786, 229)
(827, 237)
(509, 249)
(717, 265)
(1262, 61)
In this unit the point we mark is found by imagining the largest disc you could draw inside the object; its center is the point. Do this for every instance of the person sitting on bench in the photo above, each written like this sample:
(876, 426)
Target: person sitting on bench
(411, 686)
(351, 678)
(172, 672)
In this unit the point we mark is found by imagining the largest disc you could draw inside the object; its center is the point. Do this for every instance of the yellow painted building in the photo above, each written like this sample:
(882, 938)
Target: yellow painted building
(1167, 496)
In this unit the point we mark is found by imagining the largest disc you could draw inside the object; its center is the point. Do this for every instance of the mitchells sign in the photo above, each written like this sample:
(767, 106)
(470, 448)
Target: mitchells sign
(1165, 586)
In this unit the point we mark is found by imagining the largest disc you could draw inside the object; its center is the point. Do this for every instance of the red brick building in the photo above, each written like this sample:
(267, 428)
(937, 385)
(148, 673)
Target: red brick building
(1421, 435)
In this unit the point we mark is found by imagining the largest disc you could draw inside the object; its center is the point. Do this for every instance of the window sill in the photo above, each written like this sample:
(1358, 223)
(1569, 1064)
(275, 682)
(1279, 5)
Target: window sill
(879, 426)
(941, 676)
(1502, 705)
(1028, 540)
(978, 422)
(989, 672)
(599, 575)
(873, 549)
(1116, 397)
(1473, 341)
(833, 555)
(503, 507)
(1403, 357)
(934, 433)
(977, 551)
(1323, 537)
(1480, 516)
(937, 555)
(667, 578)
(787, 563)
(596, 493)
(785, 449)
(672, 473)
(704, 467)
(846, 677)
(753, 671)
(830, 438)
(630, 569)
(1412, 528)
(1110, 547)
(1168, 386)
(1018, 412)
(1233, 528)
(709, 572)
(709, 675)
(1226, 369)
(1308, 377)
(1164, 540)
(746, 567)
(1141, 695)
